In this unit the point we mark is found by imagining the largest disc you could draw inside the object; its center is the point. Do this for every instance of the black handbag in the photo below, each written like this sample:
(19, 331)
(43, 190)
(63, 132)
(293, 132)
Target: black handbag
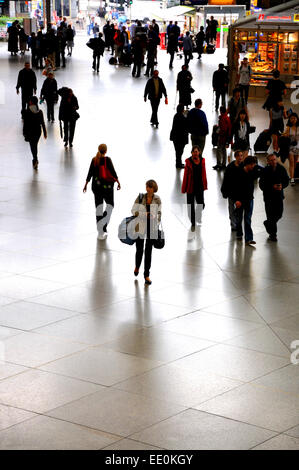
(159, 242)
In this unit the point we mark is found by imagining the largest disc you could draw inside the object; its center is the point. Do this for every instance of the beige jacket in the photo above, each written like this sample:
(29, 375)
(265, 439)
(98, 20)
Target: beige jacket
(139, 210)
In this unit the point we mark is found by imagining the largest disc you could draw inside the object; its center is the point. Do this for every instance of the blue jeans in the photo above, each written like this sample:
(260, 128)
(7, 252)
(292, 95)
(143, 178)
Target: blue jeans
(246, 210)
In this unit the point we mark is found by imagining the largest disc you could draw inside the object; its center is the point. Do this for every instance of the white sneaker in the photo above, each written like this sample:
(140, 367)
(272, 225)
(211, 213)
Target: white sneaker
(292, 182)
(102, 236)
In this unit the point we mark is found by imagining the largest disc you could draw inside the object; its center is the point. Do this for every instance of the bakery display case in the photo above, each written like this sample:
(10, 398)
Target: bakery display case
(267, 47)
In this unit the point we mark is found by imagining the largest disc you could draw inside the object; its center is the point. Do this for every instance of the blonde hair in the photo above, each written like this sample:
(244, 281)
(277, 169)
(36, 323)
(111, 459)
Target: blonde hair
(102, 149)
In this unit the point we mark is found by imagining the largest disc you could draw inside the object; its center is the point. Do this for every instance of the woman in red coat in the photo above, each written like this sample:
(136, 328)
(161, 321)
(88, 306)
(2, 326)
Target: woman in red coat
(194, 185)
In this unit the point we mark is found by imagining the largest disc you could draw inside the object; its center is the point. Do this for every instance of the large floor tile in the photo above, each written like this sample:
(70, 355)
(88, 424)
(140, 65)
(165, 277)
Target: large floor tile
(158, 344)
(280, 442)
(100, 366)
(258, 405)
(238, 307)
(43, 433)
(202, 431)
(32, 350)
(8, 370)
(115, 411)
(277, 302)
(23, 287)
(289, 323)
(10, 416)
(186, 295)
(294, 432)
(79, 299)
(285, 379)
(209, 326)
(28, 315)
(40, 391)
(129, 444)
(185, 387)
(89, 329)
(21, 263)
(263, 340)
(141, 311)
(233, 362)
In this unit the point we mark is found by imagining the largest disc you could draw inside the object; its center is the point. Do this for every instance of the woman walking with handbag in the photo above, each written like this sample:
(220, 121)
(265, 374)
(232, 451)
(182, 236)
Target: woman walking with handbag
(194, 185)
(103, 176)
(148, 212)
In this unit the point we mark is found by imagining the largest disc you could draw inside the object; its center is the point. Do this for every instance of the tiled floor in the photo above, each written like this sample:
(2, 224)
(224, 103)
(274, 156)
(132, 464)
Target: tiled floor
(92, 359)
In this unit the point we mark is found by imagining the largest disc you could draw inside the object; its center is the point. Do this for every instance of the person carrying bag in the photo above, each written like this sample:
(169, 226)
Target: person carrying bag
(147, 223)
(103, 176)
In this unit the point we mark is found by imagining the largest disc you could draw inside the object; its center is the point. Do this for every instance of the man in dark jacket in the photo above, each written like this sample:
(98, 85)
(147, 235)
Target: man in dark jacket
(137, 51)
(273, 180)
(98, 51)
(231, 174)
(220, 83)
(242, 188)
(154, 89)
(27, 83)
(198, 125)
(179, 134)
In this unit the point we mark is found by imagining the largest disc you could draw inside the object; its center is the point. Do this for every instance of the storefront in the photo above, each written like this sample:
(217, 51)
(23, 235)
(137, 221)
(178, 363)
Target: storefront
(269, 40)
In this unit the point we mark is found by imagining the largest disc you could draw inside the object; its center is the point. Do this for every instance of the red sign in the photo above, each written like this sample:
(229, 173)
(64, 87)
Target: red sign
(262, 17)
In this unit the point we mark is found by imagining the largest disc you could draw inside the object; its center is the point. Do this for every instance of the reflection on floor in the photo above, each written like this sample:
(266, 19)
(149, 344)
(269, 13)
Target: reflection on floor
(90, 357)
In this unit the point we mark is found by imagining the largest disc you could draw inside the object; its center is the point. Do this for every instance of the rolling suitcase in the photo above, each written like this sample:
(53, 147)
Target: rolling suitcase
(112, 61)
(263, 142)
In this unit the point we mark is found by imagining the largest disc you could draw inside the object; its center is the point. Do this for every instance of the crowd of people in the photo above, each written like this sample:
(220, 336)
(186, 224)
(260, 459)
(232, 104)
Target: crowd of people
(233, 130)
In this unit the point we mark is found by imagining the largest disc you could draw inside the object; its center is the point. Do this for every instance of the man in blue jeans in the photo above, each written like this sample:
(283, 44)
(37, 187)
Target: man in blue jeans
(242, 195)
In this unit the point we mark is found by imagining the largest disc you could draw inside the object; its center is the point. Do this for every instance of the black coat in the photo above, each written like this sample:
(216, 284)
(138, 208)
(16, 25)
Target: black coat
(184, 87)
(98, 47)
(27, 81)
(33, 125)
(179, 132)
(220, 80)
(150, 89)
(67, 109)
(231, 175)
(49, 89)
(269, 177)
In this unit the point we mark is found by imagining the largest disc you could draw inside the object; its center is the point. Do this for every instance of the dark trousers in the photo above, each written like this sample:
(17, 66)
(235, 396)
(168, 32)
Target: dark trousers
(50, 109)
(244, 89)
(188, 56)
(150, 65)
(219, 93)
(171, 58)
(61, 55)
(96, 62)
(274, 211)
(245, 211)
(179, 150)
(25, 99)
(40, 57)
(147, 254)
(33, 147)
(34, 58)
(194, 213)
(155, 105)
(69, 131)
(102, 194)
(136, 68)
(232, 215)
